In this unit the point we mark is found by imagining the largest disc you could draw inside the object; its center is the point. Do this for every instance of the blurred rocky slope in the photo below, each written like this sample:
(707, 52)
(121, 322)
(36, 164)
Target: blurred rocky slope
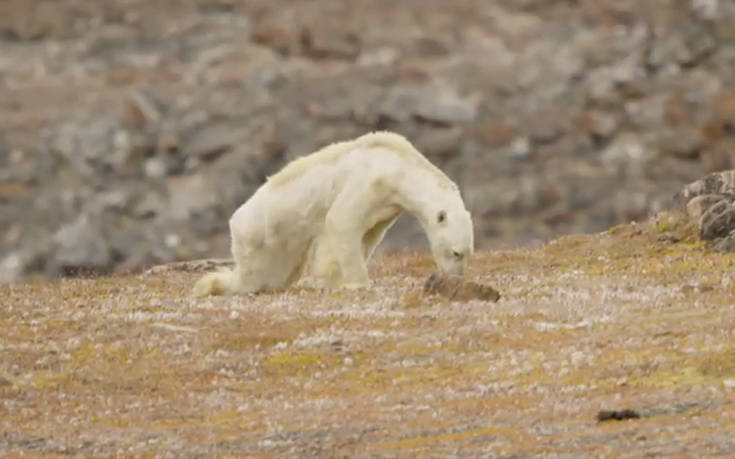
(131, 129)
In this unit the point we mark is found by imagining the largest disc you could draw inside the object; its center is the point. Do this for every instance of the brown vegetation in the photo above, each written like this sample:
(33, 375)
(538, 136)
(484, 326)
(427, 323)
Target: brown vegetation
(637, 318)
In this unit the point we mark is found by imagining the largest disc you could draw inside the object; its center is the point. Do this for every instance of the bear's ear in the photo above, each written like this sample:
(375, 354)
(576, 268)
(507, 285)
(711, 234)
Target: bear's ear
(441, 217)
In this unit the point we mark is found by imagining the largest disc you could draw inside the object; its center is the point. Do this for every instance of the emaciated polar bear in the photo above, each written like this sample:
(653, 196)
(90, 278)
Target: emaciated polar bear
(324, 214)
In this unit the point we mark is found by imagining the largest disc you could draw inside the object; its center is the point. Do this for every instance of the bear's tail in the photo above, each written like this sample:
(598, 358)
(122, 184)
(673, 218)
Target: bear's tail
(217, 283)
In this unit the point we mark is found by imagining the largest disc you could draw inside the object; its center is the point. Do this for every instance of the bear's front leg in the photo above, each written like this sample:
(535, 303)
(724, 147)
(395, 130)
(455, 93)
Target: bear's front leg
(343, 231)
(347, 250)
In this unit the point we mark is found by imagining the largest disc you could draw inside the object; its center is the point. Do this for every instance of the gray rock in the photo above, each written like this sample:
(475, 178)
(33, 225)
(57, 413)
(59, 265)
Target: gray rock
(442, 142)
(438, 105)
(601, 123)
(81, 245)
(717, 221)
(683, 43)
(625, 152)
(683, 143)
(140, 109)
(152, 204)
(714, 183)
(520, 148)
(323, 41)
(282, 38)
(430, 46)
(446, 106)
(711, 202)
(189, 195)
(11, 268)
(725, 244)
(699, 205)
(212, 140)
(707, 9)
(86, 145)
(647, 112)
(116, 200)
(155, 168)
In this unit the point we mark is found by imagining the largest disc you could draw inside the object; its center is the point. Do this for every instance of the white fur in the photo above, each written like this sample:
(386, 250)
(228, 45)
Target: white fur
(324, 214)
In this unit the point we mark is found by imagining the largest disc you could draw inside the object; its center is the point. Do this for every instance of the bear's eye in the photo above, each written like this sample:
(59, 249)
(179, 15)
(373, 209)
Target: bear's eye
(441, 217)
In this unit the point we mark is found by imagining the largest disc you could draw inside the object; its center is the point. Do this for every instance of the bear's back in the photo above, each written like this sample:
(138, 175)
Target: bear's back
(333, 152)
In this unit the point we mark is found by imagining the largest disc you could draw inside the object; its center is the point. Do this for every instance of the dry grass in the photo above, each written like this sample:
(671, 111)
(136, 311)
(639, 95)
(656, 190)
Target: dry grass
(624, 319)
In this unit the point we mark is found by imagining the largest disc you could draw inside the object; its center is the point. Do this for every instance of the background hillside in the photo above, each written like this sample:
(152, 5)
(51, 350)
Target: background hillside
(131, 129)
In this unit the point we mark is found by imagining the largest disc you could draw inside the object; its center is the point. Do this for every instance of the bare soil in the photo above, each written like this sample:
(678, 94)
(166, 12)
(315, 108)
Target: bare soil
(639, 318)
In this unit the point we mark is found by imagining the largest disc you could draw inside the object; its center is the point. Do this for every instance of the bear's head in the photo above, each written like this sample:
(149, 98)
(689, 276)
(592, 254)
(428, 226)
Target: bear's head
(451, 238)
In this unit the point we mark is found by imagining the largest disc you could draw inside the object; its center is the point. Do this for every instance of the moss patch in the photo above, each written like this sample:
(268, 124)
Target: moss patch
(637, 317)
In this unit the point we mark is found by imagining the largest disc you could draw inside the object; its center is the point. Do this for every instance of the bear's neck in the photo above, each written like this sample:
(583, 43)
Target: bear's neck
(423, 194)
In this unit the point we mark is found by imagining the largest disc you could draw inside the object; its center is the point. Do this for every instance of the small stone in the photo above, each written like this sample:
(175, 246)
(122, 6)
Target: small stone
(383, 56)
(152, 204)
(280, 38)
(617, 415)
(430, 46)
(446, 107)
(155, 168)
(495, 134)
(324, 42)
(684, 143)
(520, 148)
(141, 110)
(546, 126)
(600, 123)
(646, 112)
(211, 141)
(172, 240)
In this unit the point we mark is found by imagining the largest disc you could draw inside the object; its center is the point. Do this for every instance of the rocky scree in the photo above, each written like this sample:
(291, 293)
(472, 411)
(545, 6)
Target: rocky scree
(131, 130)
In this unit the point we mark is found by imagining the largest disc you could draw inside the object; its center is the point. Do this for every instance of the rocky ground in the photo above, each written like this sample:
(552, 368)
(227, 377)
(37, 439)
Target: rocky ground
(636, 322)
(131, 129)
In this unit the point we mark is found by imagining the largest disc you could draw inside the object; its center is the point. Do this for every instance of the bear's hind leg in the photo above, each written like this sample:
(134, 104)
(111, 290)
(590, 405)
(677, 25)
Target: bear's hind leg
(267, 271)
(262, 268)
(323, 266)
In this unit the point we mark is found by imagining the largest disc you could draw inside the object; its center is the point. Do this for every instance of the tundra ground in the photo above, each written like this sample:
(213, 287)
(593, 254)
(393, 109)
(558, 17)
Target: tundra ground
(640, 317)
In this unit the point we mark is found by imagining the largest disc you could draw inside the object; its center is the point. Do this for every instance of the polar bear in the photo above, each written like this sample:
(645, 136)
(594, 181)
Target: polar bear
(323, 214)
